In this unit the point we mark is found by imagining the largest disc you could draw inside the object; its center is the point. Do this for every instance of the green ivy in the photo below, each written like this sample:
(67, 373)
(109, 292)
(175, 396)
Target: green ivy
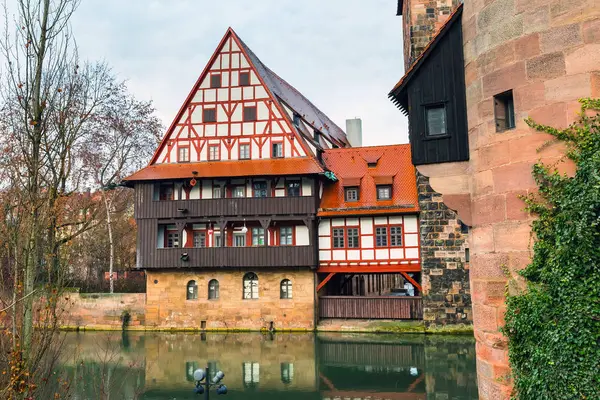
(553, 326)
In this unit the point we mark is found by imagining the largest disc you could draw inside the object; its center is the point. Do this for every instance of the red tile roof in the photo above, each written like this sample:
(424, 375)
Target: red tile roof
(350, 167)
(220, 169)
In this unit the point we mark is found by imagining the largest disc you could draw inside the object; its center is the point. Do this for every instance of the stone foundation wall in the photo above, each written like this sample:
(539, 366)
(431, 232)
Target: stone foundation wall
(102, 310)
(445, 271)
(167, 306)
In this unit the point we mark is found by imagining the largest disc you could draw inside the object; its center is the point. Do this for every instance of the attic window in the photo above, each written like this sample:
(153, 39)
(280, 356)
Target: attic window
(351, 193)
(244, 78)
(435, 118)
(209, 115)
(384, 192)
(504, 111)
(215, 81)
(372, 164)
(250, 113)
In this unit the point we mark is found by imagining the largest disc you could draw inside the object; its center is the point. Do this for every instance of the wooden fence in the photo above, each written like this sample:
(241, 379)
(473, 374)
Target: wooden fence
(371, 307)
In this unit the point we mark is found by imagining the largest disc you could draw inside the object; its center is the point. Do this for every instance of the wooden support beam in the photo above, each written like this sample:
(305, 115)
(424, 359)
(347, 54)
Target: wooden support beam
(411, 280)
(368, 269)
(327, 278)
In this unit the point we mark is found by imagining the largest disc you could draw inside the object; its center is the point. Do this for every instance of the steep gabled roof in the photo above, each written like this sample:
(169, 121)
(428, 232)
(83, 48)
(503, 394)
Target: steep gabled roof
(397, 94)
(296, 101)
(367, 167)
(281, 91)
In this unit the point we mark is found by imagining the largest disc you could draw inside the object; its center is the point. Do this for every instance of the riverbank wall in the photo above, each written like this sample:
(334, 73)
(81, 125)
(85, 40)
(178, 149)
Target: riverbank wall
(118, 311)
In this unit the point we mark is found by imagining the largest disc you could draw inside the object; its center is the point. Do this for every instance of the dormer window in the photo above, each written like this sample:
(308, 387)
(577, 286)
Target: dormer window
(215, 81)
(384, 192)
(372, 164)
(351, 193)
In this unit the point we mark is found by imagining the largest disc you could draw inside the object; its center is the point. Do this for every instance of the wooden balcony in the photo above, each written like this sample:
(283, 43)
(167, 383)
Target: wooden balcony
(230, 207)
(371, 307)
(236, 257)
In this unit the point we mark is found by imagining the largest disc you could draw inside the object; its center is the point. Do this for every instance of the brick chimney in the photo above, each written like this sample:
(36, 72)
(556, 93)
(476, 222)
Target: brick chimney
(421, 19)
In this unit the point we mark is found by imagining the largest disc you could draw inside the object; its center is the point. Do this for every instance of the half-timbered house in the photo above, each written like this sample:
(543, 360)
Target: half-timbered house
(369, 235)
(226, 208)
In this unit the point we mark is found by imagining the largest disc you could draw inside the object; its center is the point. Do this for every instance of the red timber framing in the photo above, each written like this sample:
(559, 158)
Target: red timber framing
(185, 132)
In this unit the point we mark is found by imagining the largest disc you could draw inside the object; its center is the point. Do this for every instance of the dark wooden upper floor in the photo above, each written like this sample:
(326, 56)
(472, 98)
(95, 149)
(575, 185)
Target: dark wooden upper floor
(156, 200)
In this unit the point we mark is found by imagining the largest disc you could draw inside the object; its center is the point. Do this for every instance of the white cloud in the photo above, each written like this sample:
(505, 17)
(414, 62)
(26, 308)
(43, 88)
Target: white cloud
(344, 56)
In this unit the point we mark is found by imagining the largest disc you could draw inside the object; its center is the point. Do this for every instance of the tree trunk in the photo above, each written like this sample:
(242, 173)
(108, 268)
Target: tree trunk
(110, 242)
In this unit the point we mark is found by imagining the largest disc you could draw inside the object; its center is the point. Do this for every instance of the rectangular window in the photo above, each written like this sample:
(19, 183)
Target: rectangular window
(209, 115)
(504, 111)
(277, 149)
(381, 237)
(215, 81)
(239, 239)
(214, 152)
(199, 239)
(183, 154)
(351, 193)
(244, 152)
(217, 237)
(244, 78)
(166, 191)
(171, 238)
(384, 192)
(338, 238)
(250, 113)
(396, 236)
(293, 188)
(352, 234)
(239, 191)
(258, 237)
(260, 189)
(435, 119)
(217, 192)
(285, 236)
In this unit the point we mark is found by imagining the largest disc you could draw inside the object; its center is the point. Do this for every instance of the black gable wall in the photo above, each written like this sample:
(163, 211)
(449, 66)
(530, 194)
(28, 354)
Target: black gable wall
(439, 80)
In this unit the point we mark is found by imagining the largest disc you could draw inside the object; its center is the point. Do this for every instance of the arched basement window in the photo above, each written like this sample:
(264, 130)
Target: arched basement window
(285, 290)
(250, 286)
(213, 289)
(192, 290)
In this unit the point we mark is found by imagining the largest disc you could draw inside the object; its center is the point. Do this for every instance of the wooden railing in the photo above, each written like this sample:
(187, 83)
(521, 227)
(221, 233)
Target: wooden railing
(261, 256)
(371, 307)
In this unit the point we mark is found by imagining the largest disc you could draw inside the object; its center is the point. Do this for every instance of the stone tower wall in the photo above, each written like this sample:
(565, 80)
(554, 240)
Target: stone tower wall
(445, 270)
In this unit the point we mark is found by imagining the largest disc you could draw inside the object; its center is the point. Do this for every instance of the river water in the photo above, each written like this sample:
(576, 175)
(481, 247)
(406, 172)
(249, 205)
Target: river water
(271, 366)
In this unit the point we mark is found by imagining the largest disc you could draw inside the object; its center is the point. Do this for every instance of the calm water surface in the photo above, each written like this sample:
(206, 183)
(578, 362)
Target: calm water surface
(264, 366)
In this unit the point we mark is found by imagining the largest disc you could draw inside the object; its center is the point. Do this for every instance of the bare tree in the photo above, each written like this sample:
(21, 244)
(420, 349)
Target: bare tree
(122, 139)
(52, 109)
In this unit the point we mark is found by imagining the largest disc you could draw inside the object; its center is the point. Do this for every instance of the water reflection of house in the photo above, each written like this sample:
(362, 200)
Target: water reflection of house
(281, 366)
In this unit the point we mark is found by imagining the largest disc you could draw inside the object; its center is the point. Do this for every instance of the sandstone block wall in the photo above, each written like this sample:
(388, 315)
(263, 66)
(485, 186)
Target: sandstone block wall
(421, 20)
(167, 306)
(548, 53)
(102, 310)
(445, 271)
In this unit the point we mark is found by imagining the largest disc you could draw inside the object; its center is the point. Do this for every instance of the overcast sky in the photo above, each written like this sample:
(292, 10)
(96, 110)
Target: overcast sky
(343, 55)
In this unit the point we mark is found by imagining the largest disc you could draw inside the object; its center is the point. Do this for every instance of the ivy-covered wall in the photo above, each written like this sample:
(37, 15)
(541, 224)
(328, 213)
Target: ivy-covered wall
(553, 324)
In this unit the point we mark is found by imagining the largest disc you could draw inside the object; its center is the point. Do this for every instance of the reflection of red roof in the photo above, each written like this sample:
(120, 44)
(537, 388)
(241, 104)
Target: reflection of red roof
(218, 169)
(350, 167)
